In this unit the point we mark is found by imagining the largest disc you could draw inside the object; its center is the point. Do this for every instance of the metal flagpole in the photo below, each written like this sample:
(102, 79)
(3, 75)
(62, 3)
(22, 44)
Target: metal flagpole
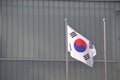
(67, 69)
(105, 58)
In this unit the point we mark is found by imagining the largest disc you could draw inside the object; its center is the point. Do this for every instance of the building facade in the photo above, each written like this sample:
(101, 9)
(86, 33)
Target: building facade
(32, 38)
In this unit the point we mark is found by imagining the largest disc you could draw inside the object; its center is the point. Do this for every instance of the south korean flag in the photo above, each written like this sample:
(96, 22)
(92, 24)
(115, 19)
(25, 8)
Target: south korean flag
(80, 48)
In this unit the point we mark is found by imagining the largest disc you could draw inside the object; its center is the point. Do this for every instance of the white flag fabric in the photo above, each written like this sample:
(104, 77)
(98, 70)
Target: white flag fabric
(80, 48)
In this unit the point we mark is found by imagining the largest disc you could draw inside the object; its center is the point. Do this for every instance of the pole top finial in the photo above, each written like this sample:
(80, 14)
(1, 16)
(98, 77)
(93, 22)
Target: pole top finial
(65, 19)
(103, 19)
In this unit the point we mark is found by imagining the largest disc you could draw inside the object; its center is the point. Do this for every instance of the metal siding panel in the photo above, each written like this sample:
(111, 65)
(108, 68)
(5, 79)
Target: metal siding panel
(15, 30)
(35, 70)
(20, 44)
(115, 71)
(93, 72)
(112, 69)
(103, 70)
(25, 29)
(82, 18)
(9, 70)
(62, 39)
(83, 73)
(51, 31)
(46, 30)
(9, 29)
(15, 74)
(112, 16)
(116, 43)
(72, 72)
(57, 71)
(52, 70)
(56, 28)
(3, 70)
(35, 30)
(77, 15)
(99, 71)
(20, 29)
(30, 29)
(62, 71)
(71, 13)
(46, 70)
(4, 33)
(118, 71)
(86, 24)
(93, 19)
(109, 71)
(25, 70)
(19, 70)
(41, 30)
(117, 6)
(78, 71)
(92, 23)
(108, 30)
(41, 71)
(1, 29)
(100, 29)
(30, 70)
(87, 72)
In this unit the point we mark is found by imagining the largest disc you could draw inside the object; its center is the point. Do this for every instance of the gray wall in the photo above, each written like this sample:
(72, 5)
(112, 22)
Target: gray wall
(32, 38)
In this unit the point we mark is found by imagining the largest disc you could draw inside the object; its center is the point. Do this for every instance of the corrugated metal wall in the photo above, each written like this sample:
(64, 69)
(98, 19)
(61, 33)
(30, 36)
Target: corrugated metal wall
(32, 38)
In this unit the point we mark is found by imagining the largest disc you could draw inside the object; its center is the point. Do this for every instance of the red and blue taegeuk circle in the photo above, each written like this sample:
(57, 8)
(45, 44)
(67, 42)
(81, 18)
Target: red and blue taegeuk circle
(80, 45)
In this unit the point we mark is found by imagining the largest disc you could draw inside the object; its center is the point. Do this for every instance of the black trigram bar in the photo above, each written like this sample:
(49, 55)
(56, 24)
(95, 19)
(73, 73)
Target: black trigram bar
(87, 56)
(73, 34)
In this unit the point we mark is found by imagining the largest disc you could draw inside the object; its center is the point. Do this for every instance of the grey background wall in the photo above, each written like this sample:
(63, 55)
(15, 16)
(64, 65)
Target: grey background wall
(32, 38)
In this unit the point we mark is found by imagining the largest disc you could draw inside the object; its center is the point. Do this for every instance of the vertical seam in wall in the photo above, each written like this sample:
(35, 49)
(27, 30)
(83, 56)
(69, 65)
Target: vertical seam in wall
(38, 41)
(28, 28)
(22, 31)
(33, 42)
(22, 38)
(1, 31)
(43, 42)
(33, 30)
(54, 34)
(111, 37)
(6, 28)
(11, 36)
(0, 37)
(59, 37)
(119, 44)
(17, 27)
(38, 31)
(48, 38)
(6, 36)
(115, 37)
(109, 32)
(48, 31)
(54, 28)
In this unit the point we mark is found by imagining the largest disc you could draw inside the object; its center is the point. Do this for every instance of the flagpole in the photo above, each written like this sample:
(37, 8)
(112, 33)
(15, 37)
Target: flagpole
(105, 58)
(67, 69)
